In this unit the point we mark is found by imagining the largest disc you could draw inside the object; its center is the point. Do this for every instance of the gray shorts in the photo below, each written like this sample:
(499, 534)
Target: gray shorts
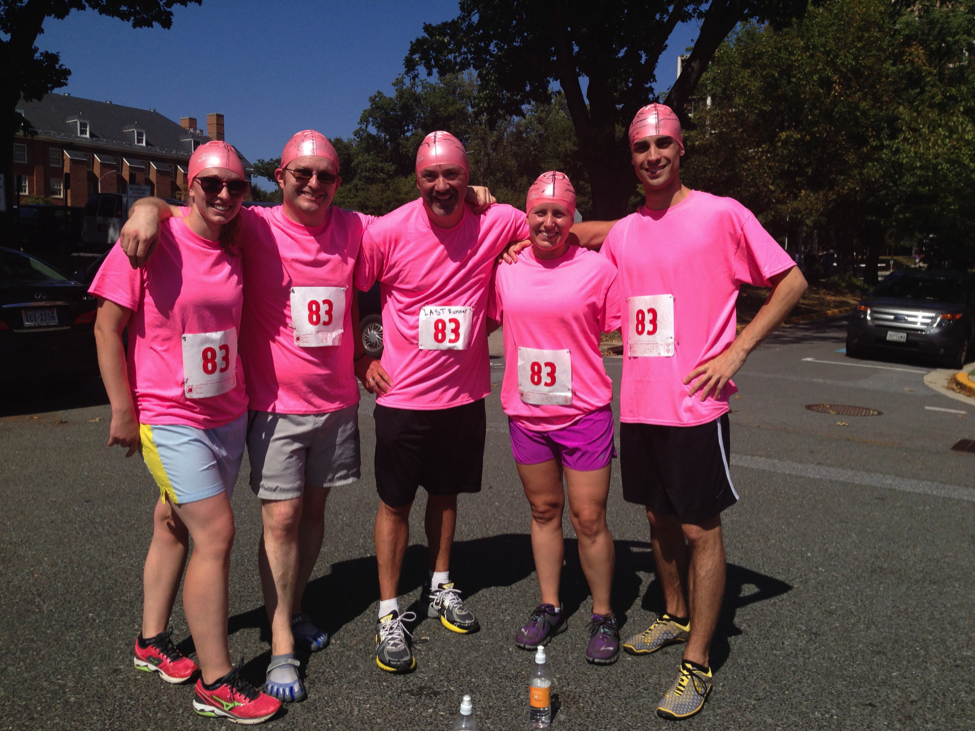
(291, 451)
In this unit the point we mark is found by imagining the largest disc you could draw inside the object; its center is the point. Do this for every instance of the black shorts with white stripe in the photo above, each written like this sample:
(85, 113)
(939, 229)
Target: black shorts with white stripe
(678, 471)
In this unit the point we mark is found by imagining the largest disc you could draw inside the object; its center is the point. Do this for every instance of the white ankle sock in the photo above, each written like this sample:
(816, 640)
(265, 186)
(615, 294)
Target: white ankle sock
(387, 606)
(439, 578)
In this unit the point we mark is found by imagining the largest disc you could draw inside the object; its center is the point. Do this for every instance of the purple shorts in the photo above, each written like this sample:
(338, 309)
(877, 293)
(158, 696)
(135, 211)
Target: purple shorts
(583, 445)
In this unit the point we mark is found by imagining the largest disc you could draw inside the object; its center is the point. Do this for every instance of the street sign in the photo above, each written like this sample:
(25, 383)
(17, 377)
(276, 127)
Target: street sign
(139, 191)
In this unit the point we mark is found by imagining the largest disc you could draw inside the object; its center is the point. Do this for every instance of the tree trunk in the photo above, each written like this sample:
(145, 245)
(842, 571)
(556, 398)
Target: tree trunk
(8, 129)
(874, 239)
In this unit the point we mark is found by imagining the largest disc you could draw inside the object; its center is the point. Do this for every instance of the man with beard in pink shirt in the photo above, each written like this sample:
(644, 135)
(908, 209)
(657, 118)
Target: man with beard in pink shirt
(433, 259)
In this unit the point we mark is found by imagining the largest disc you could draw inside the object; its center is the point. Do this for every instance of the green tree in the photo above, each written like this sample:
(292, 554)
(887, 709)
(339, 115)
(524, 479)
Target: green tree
(846, 127)
(519, 48)
(29, 73)
(507, 155)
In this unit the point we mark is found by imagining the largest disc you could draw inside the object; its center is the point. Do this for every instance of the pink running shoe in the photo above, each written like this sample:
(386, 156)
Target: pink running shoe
(160, 655)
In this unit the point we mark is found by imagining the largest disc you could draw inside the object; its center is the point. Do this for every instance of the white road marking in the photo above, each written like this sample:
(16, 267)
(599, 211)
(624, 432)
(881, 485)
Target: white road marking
(950, 411)
(857, 477)
(866, 366)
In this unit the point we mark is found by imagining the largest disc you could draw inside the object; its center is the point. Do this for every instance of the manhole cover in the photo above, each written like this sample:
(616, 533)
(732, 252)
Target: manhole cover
(964, 446)
(843, 410)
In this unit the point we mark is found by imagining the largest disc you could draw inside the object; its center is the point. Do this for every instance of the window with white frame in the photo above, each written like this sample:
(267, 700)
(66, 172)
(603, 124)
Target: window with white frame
(57, 191)
(20, 153)
(83, 128)
(22, 185)
(56, 157)
(140, 137)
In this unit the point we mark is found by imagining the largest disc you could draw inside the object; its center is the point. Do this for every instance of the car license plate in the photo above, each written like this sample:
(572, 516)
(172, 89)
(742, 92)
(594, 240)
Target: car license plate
(35, 317)
(896, 337)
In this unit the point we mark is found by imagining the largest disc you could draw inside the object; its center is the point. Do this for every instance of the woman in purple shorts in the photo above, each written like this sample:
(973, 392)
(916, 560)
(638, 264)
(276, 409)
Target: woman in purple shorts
(554, 303)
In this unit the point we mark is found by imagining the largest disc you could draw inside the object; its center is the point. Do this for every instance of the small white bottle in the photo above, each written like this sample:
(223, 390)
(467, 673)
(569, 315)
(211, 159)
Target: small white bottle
(540, 699)
(465, 718)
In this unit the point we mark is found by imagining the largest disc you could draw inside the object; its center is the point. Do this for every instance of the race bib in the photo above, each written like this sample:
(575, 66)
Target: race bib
(209, 363)
(445, 328)
(651, 326)
(544, 377)
(317, 315)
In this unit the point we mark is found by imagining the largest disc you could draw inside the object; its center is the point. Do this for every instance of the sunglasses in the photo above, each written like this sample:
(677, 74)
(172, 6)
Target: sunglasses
(213, 186)
(303, 175)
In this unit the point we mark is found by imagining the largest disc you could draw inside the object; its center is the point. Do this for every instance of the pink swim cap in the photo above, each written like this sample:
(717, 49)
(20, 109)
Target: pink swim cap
(655, 119)
(552, 187)
(309, 142)
(215, 154)
(441, 148)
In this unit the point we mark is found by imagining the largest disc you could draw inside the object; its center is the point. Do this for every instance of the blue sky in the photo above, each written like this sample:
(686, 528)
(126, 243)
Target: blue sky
(272, 68)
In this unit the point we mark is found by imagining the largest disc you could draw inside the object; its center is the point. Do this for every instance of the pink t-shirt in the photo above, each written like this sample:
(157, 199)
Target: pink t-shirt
(300, 362)
(679, 271)
(553, 312)
(186, 306)
(433, 287)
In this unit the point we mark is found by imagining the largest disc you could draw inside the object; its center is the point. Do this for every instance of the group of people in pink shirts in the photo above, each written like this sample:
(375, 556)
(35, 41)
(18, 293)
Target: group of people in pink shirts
(243, 329)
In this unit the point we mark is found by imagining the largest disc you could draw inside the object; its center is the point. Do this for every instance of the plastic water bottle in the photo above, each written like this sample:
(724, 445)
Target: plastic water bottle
(540, 699)
(465, 718)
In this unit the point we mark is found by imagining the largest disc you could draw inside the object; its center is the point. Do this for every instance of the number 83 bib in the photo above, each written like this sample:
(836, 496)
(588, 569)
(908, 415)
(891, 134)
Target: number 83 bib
(544, 377)
(209, 363)
(445, 327)
(318, 315)
(651, 331)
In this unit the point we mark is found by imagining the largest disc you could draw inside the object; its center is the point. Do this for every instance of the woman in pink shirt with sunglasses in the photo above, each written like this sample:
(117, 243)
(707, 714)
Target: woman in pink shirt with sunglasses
(554, 303)
(178, 398)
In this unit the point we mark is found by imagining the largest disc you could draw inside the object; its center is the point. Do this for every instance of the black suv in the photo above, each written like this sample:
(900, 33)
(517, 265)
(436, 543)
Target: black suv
(925, 313)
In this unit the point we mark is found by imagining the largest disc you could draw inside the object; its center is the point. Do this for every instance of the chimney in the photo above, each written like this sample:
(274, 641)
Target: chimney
(187, 123)
(215, 126)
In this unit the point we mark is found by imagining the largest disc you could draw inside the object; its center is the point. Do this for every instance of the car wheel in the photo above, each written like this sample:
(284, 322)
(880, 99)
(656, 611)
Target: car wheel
(853, 351)
(372, 335)
(959, 360)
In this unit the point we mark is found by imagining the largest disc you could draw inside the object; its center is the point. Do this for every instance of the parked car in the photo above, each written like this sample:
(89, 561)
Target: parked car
(924, 313)
(46, 325)
(371, 321)
(49, 230)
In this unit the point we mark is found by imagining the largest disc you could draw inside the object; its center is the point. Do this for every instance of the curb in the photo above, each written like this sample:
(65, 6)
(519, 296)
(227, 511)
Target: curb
(964, 383)
(817, 316)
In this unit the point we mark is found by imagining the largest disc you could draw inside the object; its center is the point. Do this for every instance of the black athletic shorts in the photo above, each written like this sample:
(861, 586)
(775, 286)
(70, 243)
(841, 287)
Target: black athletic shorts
(440, 449)
(678, 471)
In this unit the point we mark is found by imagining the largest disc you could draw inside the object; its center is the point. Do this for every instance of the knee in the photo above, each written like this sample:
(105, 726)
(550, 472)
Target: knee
(168, 528)
(589, 522)
(218, 537)
(281, 520)
(547, 513)
(704, 532)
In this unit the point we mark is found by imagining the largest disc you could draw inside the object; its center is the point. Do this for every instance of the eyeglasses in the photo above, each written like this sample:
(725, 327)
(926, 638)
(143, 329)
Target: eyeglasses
(212, 186)
(303, 175)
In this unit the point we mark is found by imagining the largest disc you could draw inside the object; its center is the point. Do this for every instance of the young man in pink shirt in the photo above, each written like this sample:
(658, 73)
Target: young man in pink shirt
(681, 259)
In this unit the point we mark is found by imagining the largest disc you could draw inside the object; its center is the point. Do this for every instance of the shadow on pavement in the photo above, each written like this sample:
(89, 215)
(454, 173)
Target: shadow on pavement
(511, 562)
(743, 587)
(52, 396)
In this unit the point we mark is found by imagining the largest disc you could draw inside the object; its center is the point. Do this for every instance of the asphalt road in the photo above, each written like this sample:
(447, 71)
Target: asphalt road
(850, 600)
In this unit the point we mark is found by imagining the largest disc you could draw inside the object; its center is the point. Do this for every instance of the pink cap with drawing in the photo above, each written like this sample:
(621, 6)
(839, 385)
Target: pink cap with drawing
(441, 148)
(215, 154)
(552, 187)
(655, 119)
(310, 143)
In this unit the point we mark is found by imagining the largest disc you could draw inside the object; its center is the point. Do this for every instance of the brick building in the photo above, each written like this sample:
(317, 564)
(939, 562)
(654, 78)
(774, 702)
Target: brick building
(83, 147)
